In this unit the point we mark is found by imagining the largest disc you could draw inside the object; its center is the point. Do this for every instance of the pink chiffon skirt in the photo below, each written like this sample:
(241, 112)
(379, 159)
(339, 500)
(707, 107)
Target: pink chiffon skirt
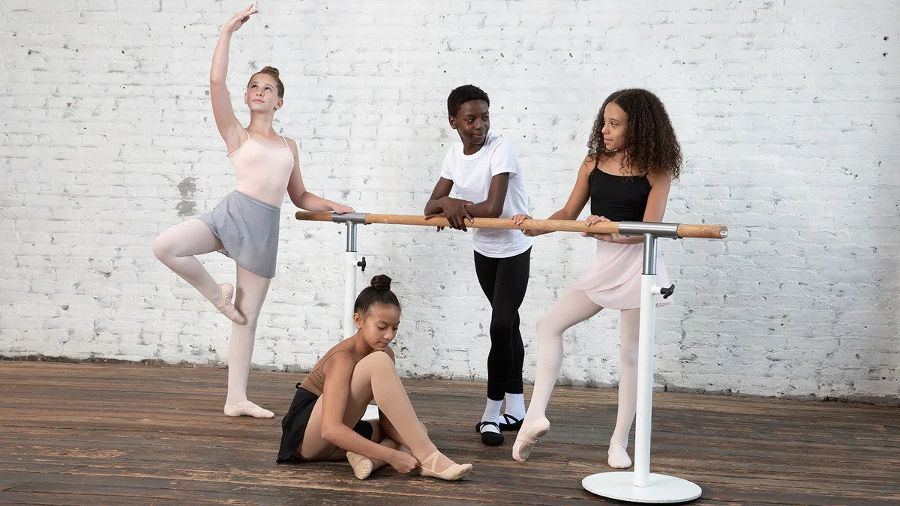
(613, 279)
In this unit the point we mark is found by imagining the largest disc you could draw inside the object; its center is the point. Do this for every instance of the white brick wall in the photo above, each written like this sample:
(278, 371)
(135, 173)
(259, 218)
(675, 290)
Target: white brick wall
(787, 113)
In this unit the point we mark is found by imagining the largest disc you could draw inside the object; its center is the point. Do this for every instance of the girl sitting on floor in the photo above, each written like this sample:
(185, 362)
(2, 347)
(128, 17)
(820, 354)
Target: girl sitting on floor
(323, 422)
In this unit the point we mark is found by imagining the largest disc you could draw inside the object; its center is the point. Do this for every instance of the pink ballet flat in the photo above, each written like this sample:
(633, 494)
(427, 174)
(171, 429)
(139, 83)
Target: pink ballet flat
(528, 436)
(452, 473)
(617, 456)
(362, 465)
(226, 307)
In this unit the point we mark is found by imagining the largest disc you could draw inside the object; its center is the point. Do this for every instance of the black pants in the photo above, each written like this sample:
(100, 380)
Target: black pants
(504, 281)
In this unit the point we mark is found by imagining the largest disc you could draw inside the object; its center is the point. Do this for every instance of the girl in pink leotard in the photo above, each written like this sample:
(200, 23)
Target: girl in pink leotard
(244, 225)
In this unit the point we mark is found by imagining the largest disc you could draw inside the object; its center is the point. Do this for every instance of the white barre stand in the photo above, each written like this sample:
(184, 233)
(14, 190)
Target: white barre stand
(641, 485)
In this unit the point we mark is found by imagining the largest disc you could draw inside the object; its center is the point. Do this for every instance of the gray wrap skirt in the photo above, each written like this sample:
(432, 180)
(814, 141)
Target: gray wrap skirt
(248, 230)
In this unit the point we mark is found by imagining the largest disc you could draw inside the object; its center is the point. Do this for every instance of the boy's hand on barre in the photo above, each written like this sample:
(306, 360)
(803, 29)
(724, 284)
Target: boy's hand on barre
(456, 213)
(428, 217)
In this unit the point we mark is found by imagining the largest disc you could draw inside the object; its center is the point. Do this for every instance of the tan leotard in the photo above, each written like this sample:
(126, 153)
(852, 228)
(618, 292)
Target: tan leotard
(262, 172)
(315, 380)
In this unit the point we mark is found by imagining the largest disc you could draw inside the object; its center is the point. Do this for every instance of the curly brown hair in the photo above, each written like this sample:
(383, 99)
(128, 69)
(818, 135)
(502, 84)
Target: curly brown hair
(651, 146)
(273, 72)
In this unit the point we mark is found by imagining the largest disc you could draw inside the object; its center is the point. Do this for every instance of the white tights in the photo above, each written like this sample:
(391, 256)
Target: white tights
(176, 247)
(573, 308)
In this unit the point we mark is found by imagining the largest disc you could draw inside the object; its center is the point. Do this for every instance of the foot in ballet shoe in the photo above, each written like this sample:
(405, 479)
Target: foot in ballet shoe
(226, 307)
(362, 465)
(247, 408)
(452, 472)
(618, 457)
(528, 436)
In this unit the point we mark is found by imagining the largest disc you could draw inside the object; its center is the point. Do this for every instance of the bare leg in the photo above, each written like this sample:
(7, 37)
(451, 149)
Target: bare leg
(629, 325)
(572, 308)
(176, 247)
(251, 293)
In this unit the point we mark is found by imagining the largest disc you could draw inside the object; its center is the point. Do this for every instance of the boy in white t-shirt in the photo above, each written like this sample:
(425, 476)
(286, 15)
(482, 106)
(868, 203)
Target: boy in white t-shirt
(485, 173)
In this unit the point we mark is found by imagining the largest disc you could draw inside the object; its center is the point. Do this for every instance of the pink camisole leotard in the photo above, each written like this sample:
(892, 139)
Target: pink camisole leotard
(262, 172)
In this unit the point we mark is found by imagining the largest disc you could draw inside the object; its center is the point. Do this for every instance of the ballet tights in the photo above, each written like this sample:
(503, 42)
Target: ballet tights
(573, 308)
(176, 247)
(249, 297)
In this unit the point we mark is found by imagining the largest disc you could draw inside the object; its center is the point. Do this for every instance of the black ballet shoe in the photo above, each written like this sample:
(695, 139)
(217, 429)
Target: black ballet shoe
(511, 423)
(489, 438)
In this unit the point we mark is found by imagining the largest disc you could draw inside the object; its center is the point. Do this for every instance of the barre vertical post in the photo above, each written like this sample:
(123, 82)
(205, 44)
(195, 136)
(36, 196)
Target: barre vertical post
(350, 259)
(351, 220)
(646, 333)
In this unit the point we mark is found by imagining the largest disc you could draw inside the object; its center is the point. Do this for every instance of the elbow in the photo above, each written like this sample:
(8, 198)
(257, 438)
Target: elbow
(494, 211)
(329, 434)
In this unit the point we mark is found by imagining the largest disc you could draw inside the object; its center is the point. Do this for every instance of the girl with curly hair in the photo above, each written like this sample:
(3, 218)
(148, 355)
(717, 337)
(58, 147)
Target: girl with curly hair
(633, 156)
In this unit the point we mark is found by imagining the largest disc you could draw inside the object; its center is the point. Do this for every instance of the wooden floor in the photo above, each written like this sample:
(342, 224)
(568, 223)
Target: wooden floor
(99, 434)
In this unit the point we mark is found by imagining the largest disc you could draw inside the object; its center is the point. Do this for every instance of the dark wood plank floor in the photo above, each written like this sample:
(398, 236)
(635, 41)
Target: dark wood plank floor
(101, 433)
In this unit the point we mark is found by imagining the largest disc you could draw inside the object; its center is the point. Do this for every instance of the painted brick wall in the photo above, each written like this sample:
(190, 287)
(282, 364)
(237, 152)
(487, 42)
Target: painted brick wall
(787, 113)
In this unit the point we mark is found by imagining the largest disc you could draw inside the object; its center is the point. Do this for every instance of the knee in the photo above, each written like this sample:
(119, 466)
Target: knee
(161, 248)
(378, 359)
(501, 328)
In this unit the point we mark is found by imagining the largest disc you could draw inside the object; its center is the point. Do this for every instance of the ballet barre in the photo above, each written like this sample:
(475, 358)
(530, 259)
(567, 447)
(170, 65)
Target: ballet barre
(640, 485)
(675, 230)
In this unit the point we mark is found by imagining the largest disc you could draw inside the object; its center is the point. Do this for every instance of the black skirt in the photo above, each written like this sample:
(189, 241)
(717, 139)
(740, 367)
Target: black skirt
(294, 423)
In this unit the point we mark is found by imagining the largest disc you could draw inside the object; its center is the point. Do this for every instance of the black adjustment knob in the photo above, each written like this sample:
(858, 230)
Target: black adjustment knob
(362, 265)
(667, 292)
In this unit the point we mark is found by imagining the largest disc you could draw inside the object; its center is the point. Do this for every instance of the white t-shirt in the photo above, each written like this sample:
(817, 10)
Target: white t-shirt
(471, 176)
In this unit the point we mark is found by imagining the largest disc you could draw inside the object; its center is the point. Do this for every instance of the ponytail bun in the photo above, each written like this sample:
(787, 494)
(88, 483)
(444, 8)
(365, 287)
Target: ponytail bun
(378, 292)
(270, 70)
(381, 283)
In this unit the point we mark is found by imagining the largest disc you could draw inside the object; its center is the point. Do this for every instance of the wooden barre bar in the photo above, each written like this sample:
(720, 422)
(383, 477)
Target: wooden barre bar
(608, 227)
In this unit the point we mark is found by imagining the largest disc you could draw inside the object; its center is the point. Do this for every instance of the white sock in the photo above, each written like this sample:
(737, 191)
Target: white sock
(515, 405)
(491, 414)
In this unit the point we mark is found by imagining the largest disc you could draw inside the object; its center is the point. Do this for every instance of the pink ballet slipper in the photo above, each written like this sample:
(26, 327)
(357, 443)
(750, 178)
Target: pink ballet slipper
(247, 408)
(528, 436)
(226, 307)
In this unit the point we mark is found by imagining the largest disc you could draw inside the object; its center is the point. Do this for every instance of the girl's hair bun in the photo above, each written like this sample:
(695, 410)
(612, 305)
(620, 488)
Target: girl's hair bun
(270, 70)
(381, 283)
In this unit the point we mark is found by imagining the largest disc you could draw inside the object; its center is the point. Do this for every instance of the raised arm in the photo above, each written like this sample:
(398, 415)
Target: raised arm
(227, 123)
